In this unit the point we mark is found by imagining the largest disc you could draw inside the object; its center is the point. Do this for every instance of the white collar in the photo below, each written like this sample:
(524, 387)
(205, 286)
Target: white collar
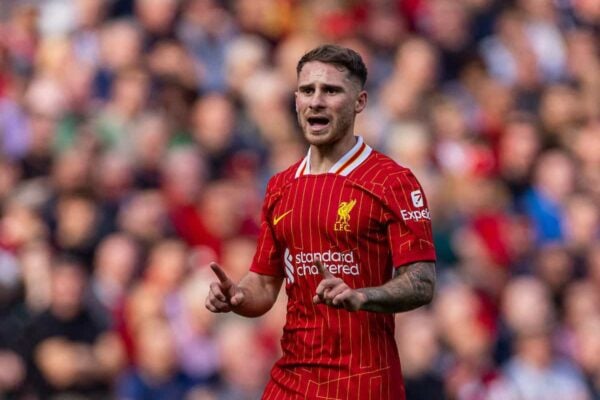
(346, 164)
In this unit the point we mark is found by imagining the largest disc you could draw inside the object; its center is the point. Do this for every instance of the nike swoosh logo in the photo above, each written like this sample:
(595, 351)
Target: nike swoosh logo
(279, 218)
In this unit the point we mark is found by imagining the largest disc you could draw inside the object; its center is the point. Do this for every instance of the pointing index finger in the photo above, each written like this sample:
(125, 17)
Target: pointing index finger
(324, 271)
(223, 278)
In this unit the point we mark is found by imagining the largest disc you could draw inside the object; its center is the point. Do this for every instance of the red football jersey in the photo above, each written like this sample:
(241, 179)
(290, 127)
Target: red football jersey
(364, 217)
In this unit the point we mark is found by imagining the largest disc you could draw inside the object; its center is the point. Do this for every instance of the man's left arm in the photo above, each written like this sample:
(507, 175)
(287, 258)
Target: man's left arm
(412, 286)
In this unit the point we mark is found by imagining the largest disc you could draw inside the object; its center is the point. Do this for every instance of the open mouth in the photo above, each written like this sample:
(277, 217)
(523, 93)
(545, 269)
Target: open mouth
(318, 122)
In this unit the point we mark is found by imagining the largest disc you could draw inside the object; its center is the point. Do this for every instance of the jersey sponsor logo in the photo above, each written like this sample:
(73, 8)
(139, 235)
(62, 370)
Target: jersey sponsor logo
(416, 215)
(280, 217)
(417, 198)
(342, 224)
(289, 266)
(303, 263)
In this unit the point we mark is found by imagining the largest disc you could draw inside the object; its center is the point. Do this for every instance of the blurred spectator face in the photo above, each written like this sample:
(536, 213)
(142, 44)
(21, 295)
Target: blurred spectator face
(244, 57)
(268, 104)
(57, 360)
(144, 303)
(554, 266)
(151, 140)
(76, 220)
(526, 306)
(587, 351)
(46, 103)
(169, 60)
(114, 175)
(447, 23)
(52, 55)
(120, 45)
(496, 100)
(586, 145)
(589, 10)
(284, 153)
(78, 80)
(559, 109)
(416, 63)
(385, 26)
(418, 344)
(244, 362)
(155, 350)
(183, 174)
(582, 223)
(130, 92)
(9, 177)
(194, 292)
(12, 371)
(213, 121)
(238, 253)
(409, 144)
(518, 147)
(287, 53)
(167, 264)
(156, 16)
(461, 318)
(36, 260)
(72, 170)
(221, 209)
(554, 175)
(89, 13)
(20, 224)
(144, 216)
(582, 60)
(116, 260)
(448, 121)
(581, 303)
(68, 283)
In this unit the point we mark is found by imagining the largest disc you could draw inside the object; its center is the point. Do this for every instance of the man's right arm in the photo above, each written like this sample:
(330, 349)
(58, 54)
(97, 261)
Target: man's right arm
(253, 296)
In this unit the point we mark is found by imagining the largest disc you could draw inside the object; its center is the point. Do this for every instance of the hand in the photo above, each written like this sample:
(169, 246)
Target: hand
(334, 292)
(224, 295)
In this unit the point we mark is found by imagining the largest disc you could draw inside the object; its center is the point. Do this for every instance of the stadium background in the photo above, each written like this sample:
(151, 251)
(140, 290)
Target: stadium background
(136, 139)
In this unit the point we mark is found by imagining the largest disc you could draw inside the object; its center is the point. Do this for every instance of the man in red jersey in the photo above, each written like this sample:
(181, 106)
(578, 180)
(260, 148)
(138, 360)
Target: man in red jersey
(349, 231)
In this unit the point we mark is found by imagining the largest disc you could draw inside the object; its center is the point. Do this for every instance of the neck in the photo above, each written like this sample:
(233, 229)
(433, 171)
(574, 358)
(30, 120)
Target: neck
(323, 157)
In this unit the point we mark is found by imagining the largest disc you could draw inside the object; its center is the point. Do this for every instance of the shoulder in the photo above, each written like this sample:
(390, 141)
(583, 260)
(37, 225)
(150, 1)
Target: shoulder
(381, 172)
(279, 181)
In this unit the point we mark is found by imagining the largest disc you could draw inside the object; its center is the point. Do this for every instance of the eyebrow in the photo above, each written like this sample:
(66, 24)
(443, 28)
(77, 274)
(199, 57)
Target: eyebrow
(325, 86)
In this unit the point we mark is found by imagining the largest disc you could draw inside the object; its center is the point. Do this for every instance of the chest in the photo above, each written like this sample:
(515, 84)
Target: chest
(327, 210)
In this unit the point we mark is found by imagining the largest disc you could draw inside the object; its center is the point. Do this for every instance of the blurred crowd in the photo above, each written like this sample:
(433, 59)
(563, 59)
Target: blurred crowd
(137, 137)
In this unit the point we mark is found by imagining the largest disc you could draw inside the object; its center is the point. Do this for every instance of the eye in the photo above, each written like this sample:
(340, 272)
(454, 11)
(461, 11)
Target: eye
(306, 90)
(331, 90)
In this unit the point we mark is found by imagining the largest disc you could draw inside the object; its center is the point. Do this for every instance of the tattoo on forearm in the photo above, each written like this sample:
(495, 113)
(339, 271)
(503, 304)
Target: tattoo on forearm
(411, 287)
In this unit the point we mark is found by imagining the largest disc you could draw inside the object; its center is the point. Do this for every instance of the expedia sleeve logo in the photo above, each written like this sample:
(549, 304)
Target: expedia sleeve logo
(417, 198)
(342, 224)
(416, 215)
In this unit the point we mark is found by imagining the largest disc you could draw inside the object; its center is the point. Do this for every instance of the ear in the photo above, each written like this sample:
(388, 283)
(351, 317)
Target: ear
(296, 101)
(361, 101)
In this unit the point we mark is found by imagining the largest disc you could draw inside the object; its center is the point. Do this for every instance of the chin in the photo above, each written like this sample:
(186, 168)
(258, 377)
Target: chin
(324, 136)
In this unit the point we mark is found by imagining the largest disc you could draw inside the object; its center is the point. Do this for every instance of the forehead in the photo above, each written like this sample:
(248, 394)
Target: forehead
(318, 72)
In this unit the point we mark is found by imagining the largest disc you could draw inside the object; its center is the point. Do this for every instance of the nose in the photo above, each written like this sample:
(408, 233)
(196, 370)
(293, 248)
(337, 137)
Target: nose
(317, 100)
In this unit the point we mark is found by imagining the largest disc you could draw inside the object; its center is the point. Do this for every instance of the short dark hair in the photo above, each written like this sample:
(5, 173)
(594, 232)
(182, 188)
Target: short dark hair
(341, 56)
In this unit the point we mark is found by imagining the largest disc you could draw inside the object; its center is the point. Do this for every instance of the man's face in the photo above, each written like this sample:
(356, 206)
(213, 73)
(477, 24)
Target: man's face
(327, 101)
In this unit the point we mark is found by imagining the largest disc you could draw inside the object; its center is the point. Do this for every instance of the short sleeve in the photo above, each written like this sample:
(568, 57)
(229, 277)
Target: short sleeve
(268, 259)
(408, 220)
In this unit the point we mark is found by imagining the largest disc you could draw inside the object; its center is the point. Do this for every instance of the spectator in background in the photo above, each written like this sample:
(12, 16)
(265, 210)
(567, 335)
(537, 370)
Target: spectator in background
(156, 374)
(535, 369)
(60, 343)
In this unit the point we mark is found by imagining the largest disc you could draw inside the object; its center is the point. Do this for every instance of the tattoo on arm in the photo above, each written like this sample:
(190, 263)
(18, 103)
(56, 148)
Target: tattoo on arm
(411, 287)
